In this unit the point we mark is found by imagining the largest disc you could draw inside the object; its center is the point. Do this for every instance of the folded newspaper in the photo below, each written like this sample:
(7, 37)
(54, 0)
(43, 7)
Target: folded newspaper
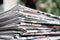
(10, 21)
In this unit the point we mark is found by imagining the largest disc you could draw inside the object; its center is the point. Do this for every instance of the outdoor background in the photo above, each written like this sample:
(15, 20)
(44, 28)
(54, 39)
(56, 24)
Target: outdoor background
(49, 6)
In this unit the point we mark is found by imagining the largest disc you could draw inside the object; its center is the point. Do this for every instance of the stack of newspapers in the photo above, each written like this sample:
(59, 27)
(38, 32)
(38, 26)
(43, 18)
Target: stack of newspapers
(23, 23)
(39, 26)
(38, 17)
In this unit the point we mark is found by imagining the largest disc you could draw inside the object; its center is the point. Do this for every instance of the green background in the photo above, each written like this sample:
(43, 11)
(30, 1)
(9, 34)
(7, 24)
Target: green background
(55, 9)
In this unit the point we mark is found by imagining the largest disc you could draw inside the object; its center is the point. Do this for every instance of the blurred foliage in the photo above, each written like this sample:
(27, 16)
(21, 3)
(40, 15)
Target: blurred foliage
(49, 6)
